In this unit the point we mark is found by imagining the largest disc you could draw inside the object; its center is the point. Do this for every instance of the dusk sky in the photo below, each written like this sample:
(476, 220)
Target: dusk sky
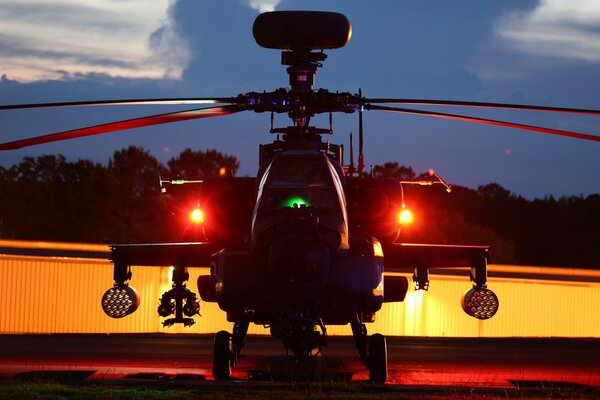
(519, 51)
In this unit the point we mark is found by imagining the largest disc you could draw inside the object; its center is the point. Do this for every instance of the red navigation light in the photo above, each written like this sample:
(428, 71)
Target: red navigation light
(405, 217)
(197, 216)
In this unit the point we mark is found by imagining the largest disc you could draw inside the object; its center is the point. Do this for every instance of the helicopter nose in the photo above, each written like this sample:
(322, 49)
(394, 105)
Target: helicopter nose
(298, 267)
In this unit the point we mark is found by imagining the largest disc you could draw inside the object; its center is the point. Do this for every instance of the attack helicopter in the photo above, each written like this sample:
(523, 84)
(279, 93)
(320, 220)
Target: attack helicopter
(306, 243)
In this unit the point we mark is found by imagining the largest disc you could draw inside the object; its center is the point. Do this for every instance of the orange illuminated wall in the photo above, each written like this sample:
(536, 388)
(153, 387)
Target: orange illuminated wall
(62, 295)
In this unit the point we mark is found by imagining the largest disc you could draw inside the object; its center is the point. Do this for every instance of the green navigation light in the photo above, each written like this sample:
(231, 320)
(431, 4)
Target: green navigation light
(296, 202)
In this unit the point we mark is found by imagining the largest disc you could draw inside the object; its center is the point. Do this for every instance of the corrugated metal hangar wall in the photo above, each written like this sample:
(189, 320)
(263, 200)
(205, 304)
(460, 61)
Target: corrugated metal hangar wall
(49, 294)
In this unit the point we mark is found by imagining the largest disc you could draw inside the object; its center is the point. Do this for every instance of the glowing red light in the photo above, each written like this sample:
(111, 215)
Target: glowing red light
(197, 216)
(405, 217)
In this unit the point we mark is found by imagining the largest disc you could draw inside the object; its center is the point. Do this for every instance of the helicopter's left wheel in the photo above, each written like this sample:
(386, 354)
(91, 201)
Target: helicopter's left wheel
(377, 361)
(222, 356)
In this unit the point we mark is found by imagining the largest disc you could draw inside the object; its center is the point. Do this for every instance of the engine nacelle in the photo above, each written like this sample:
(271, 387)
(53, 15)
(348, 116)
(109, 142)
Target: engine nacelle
(373, 207)
(218, 210)
(228, 204)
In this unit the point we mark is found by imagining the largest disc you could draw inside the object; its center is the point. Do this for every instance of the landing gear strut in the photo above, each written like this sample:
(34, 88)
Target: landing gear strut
(227, 349)
(371, 351)
(377, 364)
(222, 356)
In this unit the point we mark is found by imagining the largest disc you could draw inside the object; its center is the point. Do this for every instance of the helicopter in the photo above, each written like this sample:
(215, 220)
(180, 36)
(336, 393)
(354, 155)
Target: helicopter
(306, 243)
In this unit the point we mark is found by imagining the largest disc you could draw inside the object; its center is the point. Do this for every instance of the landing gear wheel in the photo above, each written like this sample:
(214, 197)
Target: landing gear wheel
(377, 363)
(222, 356)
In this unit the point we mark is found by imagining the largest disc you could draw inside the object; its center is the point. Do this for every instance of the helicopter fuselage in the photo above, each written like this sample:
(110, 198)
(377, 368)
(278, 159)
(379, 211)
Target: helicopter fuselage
(300, 271)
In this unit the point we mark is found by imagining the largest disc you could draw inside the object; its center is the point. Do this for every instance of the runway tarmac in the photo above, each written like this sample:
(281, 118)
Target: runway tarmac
(413, 361)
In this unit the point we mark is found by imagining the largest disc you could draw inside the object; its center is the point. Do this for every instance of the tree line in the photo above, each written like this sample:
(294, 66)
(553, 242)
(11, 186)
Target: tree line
(548, 231)
(50, 198)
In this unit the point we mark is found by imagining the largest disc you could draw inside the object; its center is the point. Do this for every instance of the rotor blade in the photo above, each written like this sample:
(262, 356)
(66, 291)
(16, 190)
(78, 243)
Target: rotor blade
(123, 125)
(477, 104)
(485, 121)
(129, 102)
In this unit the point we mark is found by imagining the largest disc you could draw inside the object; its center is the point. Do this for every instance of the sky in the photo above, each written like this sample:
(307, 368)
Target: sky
(542, 52)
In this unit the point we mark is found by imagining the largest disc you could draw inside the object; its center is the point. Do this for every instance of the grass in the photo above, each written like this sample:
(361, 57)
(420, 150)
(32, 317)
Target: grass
(13, 390)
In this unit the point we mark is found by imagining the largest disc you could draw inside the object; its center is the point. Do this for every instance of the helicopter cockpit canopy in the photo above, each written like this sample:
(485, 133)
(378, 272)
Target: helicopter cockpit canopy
(301, 179)
(301, 182)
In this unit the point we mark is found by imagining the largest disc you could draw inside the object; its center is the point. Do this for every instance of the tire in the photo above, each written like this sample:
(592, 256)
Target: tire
(222, 356)
(377, 359)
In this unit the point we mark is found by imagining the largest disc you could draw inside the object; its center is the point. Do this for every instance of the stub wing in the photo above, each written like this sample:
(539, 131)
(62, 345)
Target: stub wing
(189, 254)
(420, 258)
(180, 302)
(478, 302)
(407, 256)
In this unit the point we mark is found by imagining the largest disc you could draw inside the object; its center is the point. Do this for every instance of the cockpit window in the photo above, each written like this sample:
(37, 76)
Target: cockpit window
(300, 182)
(320, 198)
(301, 170)
(297, 179)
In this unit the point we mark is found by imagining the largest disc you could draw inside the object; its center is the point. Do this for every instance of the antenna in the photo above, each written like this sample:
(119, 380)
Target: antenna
(440, 180)
(160, 182)
(429, 183)
(351, 170)
(361, 159)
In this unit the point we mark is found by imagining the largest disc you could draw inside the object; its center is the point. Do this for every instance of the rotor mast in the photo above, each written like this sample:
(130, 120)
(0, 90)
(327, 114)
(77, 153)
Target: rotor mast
(299, 34)
(303, 65)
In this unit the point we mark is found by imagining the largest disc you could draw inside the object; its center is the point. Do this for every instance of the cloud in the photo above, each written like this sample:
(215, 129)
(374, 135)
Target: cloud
(557, 28)
(45, 40)
(263, 5)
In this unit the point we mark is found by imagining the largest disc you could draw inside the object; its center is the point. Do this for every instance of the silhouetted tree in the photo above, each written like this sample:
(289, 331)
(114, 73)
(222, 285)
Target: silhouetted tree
(48, 198)
(394, 170)
(449, 218)
(134, 196)
(32, 196)
(85, 211)
(197, 164)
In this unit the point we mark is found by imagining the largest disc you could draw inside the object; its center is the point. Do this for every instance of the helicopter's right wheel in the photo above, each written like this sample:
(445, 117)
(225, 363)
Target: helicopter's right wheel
(222, 356)
(377, 362)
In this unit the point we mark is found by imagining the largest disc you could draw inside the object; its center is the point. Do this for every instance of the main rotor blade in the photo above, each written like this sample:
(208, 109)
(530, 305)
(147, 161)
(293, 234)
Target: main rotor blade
(485, 121)
(129, 102)
(477, 104)
(125, 124)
